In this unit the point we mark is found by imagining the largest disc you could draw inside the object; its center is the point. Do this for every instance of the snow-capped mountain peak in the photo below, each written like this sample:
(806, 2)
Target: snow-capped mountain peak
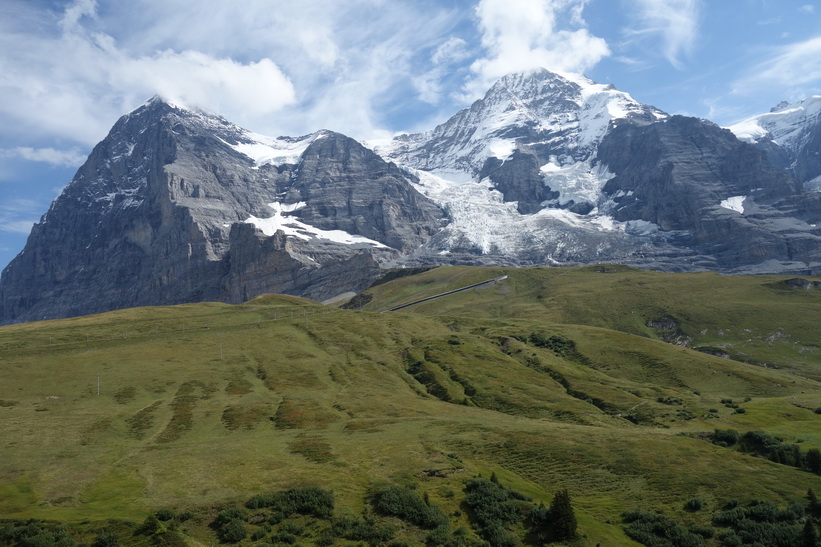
(785, 124)
(567, 113)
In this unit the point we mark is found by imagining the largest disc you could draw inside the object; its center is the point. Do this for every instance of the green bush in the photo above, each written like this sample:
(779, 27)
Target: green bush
(654, 529)
(402, 502)
(813, 461)
(726, 437)
(184, 516)
(304, 501)
(164, 514)
(490, 503)
(105, 538)
(232, 532)
(558, 344)
(365, 529)
(693, 504)
(284, 537)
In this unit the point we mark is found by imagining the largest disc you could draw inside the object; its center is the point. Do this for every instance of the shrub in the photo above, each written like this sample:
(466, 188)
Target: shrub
(363, 530)
(726, 437)
(704, 531)
(164, 514)
(284, 537)
(232, 531)
(441, 535)
(653, 529)
(304, 501)
(490, 503)
(497, 535)
(105, 538)
(693, 504)
(558, 344)
(227, 515)
(813, 461)
(402, 502)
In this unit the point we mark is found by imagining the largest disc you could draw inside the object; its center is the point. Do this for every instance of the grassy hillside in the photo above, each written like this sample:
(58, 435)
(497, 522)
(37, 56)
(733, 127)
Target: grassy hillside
(550, 379)
(757, 319)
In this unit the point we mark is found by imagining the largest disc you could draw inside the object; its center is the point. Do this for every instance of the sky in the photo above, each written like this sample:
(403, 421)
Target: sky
(366, 68)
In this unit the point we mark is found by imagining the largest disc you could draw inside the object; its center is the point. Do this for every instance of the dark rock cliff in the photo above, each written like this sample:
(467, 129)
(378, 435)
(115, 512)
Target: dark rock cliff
(677, 173)
(157, 215)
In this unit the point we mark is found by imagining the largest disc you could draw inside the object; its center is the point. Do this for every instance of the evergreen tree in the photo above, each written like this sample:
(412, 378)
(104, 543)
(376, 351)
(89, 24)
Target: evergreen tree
(809, 535)
(813, 460)
(814, 507)
(562, 517)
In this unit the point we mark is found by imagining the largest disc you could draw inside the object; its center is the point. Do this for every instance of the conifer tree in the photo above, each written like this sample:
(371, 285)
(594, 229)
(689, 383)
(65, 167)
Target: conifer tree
(562, 517)
(813, 460)
(814, 507)
(809, 535)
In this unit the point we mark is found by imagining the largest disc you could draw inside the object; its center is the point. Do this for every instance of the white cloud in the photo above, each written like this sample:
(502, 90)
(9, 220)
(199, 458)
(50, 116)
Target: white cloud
(74, 82)
(61, 158)
(789, 67)
(193, 78)
(449, 54)
(808, 8)
(16, 226)
(292, 69)
(17, 216)
(519, 35)
(672, 22)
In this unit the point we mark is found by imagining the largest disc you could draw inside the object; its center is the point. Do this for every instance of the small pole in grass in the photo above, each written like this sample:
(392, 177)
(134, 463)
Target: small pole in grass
(98, 383)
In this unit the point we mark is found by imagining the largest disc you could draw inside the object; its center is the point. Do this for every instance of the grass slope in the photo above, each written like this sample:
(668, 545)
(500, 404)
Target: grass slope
(204, 405)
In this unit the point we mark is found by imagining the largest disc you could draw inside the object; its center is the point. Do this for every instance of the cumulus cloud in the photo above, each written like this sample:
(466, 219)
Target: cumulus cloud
(673, 23)
(518, 35)
(73, 83)
(70, 74)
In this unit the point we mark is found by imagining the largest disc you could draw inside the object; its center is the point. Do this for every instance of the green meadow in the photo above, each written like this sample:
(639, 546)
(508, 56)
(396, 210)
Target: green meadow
(604, 381)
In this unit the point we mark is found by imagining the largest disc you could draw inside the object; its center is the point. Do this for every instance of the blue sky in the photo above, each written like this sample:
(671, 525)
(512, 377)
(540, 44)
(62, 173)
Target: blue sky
(367, 68)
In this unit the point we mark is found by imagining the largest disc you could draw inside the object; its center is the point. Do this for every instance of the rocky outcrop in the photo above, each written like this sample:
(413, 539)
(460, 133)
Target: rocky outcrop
(691, 176)
(790, 134)
(346, 186)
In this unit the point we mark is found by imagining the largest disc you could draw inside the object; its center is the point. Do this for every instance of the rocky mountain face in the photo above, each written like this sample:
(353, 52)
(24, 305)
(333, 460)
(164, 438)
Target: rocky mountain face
(791, 136)
(178, 205)
(169, 209)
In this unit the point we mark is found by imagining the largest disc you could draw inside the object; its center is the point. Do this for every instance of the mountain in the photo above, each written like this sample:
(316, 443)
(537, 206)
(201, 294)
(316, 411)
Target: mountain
(178, 205)
(791, 135)
(571, 171)
(559, 120)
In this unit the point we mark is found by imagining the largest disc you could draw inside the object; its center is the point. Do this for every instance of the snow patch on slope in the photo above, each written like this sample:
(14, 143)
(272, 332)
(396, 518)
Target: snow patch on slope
(735, 203)
(786, 124)
(578, 182)
(295, 228)
(568, 114)
(479, 215)
(275, 151)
